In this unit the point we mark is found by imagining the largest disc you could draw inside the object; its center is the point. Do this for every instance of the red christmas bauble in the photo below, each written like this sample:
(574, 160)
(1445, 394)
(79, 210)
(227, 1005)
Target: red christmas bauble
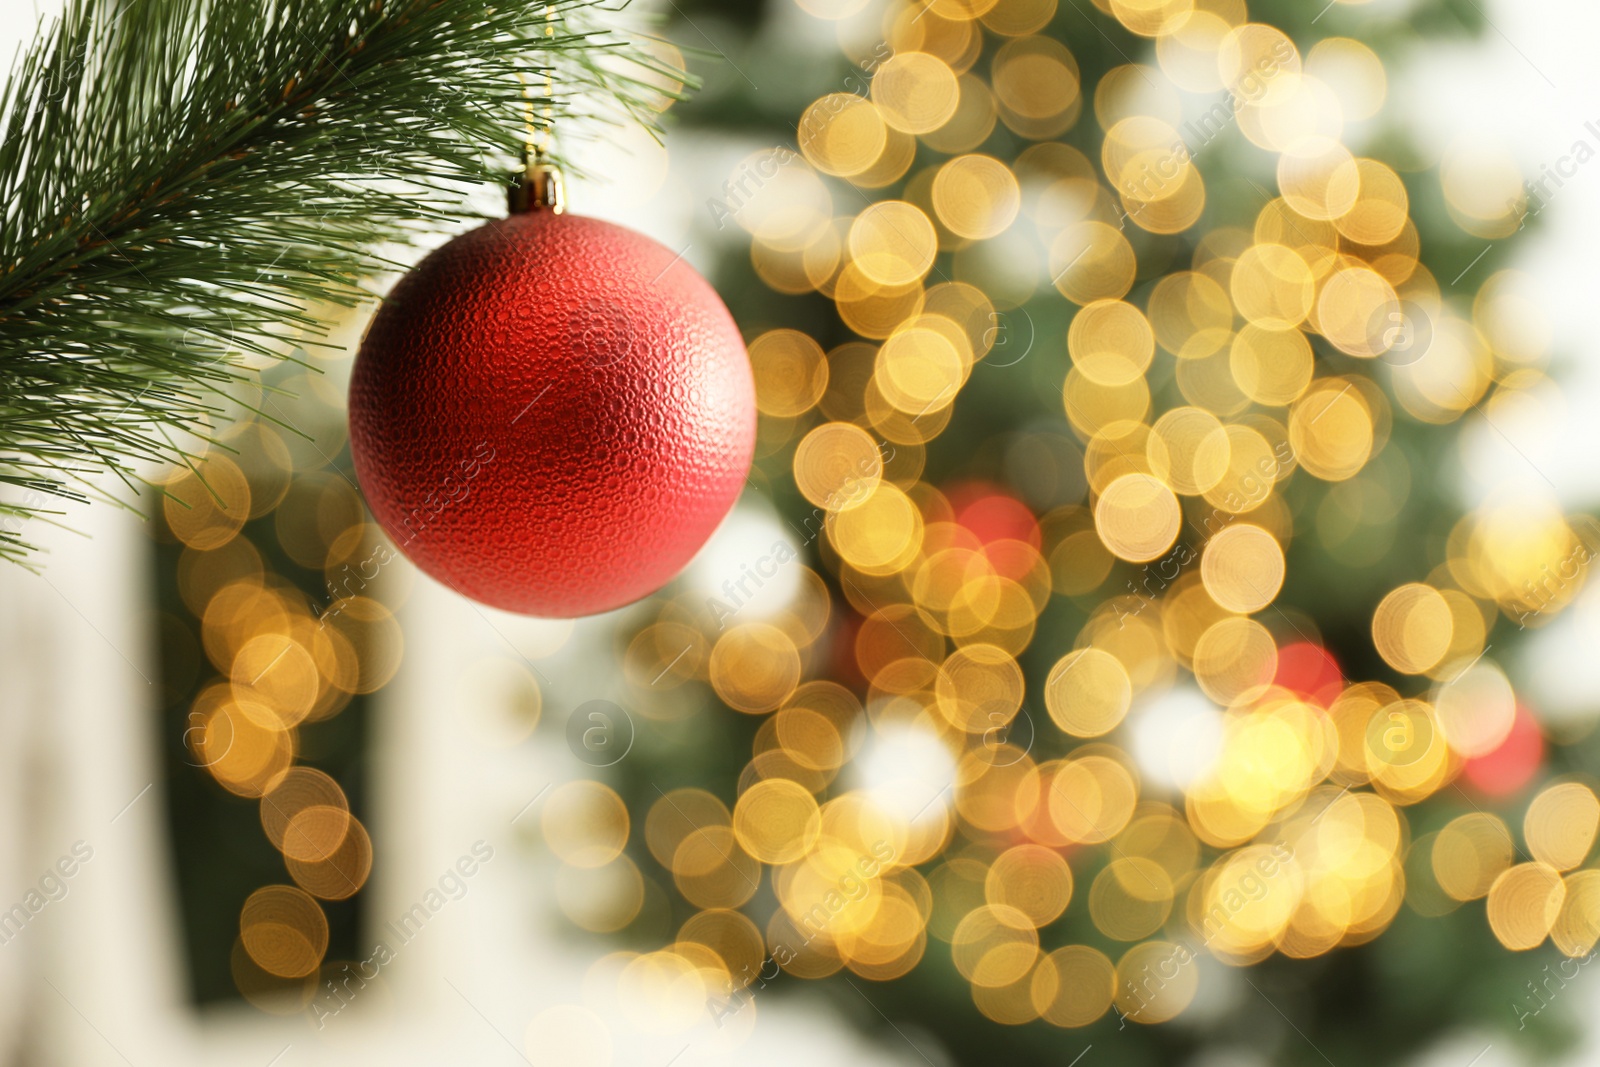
(551, 414)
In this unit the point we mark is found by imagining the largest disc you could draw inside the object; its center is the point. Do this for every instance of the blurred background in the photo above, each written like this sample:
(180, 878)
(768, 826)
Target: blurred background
(1156, 631)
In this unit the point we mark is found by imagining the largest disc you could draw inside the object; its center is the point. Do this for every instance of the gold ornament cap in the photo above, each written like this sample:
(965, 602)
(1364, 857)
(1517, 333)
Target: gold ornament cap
(539, 187)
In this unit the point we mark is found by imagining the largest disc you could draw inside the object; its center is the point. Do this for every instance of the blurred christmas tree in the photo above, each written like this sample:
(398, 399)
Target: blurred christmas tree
(1109, 357)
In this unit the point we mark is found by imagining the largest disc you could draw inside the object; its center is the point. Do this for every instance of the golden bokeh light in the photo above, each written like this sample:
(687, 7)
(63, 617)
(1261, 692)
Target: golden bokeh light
(1412, 628)
(284, 931)
(1470, 853)
(915, 91)
(585, 823)
(1156, 980)
(1331, 430)
(1092, 261)
(1033, 879)
(1577, 928)
(976, 196)
(1242, 568)
(790, 371)
(1560, 825)
(1130, 898)
(754, 666)
(1138, 517)
(1111, 342)
(1088, 693)
(843, 135)
(777, 821)
(208, 503)
(1273, 286)
(1524, 903)
(1073, 986)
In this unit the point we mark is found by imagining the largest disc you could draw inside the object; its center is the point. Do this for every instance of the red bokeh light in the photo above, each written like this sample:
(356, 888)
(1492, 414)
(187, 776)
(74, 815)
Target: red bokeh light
(1508, 769)
(1310, 672)
(993, 514)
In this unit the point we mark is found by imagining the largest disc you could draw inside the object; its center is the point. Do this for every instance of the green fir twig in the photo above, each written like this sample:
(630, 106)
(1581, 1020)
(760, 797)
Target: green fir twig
(181, 178)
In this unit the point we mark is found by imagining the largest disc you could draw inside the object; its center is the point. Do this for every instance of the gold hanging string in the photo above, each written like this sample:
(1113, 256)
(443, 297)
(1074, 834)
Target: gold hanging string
(540, 186)
(535, 144)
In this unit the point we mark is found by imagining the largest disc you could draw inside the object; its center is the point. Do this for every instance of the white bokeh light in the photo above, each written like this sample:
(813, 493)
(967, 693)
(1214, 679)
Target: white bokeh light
(750, 569)
(1557, 672)
(1177, 737)
(907, 771)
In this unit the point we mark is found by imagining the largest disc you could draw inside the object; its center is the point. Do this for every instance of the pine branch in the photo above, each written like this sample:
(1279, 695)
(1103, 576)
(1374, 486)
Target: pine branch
(181, 178)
